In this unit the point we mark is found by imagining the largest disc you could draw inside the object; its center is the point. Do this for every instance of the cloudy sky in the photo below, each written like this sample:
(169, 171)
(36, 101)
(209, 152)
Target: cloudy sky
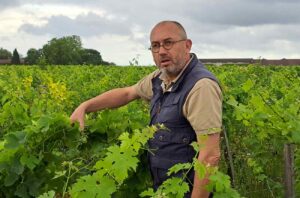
(120, 29)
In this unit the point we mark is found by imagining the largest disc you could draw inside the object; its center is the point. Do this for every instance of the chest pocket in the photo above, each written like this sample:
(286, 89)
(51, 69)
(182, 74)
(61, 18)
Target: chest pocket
(170, 109)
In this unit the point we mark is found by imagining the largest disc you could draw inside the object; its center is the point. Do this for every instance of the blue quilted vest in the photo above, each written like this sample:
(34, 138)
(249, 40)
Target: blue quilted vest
(172, 146)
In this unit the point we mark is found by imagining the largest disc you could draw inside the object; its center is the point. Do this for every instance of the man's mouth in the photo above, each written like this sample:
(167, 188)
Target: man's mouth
(165, 62)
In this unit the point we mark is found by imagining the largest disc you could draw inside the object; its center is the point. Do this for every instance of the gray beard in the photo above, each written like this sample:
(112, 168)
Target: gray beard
(171, 72)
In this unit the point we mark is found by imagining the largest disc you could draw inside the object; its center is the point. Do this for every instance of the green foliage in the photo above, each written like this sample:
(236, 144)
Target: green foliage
(63, 51)
(15, 58)
(112, 170)
(67, 50)
(5, 54)
(49, 194)
(91, 57)
(42, 155)
(174, 188)
(33, 56)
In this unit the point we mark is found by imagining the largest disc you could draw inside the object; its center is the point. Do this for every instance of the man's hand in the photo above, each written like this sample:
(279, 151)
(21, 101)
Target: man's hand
(209, 155)
(110, 99)
(78, 115)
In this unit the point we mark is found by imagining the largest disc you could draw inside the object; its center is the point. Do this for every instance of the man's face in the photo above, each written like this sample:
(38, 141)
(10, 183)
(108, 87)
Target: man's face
(173, 60)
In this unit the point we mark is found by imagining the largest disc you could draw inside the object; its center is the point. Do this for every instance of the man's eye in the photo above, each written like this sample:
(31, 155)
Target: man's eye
(167, 43)
(155, 45)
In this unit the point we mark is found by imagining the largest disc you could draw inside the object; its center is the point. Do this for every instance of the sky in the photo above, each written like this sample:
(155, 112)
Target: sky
(119, 30)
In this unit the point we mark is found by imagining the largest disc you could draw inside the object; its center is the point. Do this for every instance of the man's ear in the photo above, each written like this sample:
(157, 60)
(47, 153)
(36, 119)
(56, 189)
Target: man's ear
(188, 44)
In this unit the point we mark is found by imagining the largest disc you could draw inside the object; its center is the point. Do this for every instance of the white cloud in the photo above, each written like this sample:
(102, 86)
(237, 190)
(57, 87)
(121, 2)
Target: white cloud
(119, 49)
(120, 29)
(23, 42)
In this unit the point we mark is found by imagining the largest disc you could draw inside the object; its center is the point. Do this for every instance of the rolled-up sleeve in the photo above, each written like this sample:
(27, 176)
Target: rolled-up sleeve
(144, 86)
(203, 107)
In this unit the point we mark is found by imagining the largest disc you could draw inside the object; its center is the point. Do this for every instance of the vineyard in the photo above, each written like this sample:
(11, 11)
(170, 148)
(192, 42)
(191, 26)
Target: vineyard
(43, 155)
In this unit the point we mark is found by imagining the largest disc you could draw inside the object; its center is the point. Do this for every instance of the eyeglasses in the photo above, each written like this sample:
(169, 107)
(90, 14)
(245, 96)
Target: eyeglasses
(167, 45)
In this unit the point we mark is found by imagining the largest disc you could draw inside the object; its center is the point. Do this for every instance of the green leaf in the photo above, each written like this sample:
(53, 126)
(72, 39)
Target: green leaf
(30, 161)
(49, 194)
(179, 167)
(248, 85)
(174, 186)
(92, 186)
(14, 140)
(10, 179)
(147, 193)
(296, 132)
(200, 168)
(22, 191)
(196, 146)
(232, 101)
(119, 162)
(59, 174)
(220, 181)
(16, 166)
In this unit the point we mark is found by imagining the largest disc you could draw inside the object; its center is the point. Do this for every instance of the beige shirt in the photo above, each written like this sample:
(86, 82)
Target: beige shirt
(203, 105)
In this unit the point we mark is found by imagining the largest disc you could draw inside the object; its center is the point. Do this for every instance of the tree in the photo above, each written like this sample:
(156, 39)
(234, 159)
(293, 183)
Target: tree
(91, 57)
(5, 54)
(33, 56)
(15, 58)
(63, 51)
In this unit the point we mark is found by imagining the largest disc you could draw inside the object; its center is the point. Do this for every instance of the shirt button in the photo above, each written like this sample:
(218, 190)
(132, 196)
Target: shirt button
(185, 140)
(160, 137)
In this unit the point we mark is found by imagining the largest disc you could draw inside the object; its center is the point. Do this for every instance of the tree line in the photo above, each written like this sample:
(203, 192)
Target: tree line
(67, 50)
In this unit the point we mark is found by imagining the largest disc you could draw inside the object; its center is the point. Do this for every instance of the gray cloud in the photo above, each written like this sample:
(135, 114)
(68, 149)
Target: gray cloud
(259, 40)
(225, 12)
(258, 27)
(245, 13)
(83, 25)
(8, 3)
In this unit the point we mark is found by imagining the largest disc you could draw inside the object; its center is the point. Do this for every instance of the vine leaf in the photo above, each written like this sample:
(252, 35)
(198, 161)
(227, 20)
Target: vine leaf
(49, 194)
(93, 186)
(29, 160)
(178, 167)
(118, 162)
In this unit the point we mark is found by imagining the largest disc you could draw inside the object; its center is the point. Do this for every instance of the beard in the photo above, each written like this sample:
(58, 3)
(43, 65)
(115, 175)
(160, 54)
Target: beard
(171, 71)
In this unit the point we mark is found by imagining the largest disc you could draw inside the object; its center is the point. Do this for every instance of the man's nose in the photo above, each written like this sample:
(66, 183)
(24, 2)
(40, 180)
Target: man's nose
(162, 50)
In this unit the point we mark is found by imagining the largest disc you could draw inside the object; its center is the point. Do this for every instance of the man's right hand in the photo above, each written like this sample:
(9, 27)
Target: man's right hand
(78, 115)
(110, 99)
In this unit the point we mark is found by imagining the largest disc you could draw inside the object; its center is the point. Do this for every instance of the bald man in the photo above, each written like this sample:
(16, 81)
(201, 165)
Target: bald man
(184, 96)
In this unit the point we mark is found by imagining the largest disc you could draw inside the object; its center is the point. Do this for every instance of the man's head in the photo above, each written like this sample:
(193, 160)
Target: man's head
(170, 47)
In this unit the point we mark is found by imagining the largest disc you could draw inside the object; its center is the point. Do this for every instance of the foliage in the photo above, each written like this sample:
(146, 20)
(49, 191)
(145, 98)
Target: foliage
(63, 51)
(5, 54)
(91, 57)
(41, 154)
(67, 50)
(15, 58)
(33, 56)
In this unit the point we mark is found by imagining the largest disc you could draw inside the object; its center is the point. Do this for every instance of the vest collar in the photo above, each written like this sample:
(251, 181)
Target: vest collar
(174, 84)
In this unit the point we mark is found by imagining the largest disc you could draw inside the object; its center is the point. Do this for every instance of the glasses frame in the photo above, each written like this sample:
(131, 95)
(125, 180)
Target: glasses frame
(162, 44)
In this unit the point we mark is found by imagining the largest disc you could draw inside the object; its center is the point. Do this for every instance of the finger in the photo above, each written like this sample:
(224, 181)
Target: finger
(81, 125)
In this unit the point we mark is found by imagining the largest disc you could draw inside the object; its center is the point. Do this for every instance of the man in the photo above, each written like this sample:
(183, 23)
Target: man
(183, 96)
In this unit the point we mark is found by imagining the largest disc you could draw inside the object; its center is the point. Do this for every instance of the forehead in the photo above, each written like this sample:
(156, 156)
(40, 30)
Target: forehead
(165, 31)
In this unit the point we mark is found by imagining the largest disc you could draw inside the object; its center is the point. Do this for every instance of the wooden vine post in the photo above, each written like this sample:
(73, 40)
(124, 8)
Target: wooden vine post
(228, 156)
(289, 173)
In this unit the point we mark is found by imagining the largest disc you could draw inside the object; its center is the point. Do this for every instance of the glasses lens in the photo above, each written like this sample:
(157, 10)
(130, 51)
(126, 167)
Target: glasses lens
(168, 44)
(155, 47)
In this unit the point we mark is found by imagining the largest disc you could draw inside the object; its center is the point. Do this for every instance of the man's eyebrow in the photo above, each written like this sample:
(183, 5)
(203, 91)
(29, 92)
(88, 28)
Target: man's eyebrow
(169, 38)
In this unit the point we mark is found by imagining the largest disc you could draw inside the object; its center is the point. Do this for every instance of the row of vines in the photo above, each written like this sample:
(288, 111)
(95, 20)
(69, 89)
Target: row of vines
(43, 155)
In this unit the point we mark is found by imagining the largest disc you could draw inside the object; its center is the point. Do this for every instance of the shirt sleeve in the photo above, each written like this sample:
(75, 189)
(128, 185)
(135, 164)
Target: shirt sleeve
(203, 107)
(144, 86)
